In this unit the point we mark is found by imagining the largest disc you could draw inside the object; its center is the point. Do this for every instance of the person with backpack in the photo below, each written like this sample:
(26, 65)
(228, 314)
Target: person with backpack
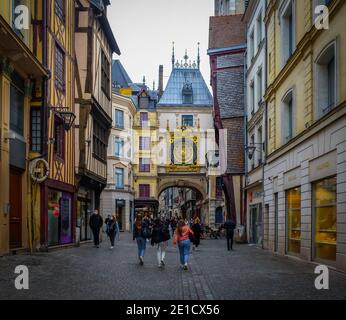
(197, 230)
(95, 224)
(112, 229)
(183, 236)
(141, 232)
(160, 236)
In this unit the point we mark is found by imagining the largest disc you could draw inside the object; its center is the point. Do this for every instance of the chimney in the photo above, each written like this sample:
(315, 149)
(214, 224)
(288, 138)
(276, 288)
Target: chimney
(160, 88)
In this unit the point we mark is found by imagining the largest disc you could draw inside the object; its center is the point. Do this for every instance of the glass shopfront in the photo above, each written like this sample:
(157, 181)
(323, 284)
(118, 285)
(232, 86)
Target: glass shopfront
(83, 213)
(324, 207)
(59, 217)
(293, 213)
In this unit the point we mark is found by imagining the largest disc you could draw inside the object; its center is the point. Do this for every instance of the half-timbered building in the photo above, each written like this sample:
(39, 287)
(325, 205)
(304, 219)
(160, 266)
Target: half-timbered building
(95, 44)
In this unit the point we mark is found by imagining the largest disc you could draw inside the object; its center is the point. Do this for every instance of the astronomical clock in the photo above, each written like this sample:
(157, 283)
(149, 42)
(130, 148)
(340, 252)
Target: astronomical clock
(183, 150)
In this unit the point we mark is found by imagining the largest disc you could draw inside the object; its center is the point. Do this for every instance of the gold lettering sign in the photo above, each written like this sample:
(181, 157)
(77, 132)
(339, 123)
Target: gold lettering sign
(291, 178)
(324, 165)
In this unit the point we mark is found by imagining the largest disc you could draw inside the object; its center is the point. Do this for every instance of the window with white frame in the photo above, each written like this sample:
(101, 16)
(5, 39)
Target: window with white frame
(287, 21)
(251, 45)
(259, 29)
(259, 86)
(119, 178)
(252, 97)
(288, 116)
(326, 81)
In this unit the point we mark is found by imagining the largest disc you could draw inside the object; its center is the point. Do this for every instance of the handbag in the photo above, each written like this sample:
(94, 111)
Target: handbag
(191, 237)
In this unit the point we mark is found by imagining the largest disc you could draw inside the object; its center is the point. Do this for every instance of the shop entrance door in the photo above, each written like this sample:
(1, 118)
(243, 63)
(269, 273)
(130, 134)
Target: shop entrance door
(256, 224)
(15, 209)
(120, 211)
(85, 214)
(276, 218)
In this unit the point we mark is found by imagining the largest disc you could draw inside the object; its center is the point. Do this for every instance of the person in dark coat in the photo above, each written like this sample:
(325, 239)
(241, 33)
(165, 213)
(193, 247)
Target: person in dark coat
(95, 224)
(197, 230)
(160, 237)
(229, 226)
(112, 229)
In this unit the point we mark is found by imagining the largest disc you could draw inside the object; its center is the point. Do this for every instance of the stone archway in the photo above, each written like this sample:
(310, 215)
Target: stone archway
(195, 182)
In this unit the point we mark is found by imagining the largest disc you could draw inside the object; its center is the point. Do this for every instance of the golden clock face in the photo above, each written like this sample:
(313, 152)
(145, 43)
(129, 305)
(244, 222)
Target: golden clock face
(183, 151)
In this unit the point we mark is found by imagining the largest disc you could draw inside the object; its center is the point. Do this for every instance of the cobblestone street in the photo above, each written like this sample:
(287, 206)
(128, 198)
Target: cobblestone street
(90, 273)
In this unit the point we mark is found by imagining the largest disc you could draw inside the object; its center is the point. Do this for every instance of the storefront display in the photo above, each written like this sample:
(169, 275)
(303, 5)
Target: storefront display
(59, 218)
(293, 211)
(324, 206)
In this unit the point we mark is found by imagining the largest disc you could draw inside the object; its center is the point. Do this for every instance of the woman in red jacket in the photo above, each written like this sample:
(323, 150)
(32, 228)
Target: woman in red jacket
(182, 238)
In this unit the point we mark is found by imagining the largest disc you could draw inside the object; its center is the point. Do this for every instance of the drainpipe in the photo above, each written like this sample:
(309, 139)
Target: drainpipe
(245, 140)
(265, 133)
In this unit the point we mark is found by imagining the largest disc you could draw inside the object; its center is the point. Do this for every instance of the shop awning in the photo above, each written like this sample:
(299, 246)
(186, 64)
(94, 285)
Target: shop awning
(16, 50)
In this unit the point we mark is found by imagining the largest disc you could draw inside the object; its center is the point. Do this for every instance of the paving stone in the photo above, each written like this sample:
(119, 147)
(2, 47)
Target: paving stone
(215, 273)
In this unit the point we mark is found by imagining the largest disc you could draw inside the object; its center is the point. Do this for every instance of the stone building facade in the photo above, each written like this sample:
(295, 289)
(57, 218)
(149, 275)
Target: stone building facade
(304, 178)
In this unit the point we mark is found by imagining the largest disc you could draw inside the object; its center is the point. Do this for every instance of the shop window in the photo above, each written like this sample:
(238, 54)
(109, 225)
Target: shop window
(59, 218)
(105, 74)
(293, 212)
(144, 191)
(324, 207)
(17, 104)
(59, 70)
(35, 125)
(326, 83)
(59, 138)
(144, 165)
(119, 178)
(59, 9)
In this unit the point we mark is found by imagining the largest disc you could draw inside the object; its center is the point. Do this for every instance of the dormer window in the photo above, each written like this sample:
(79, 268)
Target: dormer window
(187, 93)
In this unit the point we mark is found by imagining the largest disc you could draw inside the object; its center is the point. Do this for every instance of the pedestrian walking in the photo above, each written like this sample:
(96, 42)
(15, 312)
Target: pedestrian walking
(197, 230)
(160, 236)
(173, 225)
(112, 229)
(182, 238)
(229, 225)
(141, 232)
(95, 224)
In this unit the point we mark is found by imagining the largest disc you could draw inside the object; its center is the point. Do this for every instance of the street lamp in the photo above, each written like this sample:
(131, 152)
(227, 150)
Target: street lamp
(252, 148)
(68, 117)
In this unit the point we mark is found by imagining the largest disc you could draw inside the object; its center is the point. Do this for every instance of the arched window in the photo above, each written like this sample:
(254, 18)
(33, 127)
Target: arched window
(325, 89)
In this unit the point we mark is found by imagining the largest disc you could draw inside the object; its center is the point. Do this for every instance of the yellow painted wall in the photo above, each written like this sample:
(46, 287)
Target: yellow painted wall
(299, 74)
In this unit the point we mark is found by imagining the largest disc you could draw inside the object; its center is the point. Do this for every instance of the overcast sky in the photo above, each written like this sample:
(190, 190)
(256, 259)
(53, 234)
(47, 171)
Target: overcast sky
(145, 30)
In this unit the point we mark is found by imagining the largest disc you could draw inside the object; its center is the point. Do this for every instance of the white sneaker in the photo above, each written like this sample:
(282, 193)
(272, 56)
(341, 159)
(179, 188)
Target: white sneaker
(111, 247)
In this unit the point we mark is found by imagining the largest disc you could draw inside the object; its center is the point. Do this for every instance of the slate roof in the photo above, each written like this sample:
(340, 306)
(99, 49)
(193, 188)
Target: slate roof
(172, 95)
(119, 75)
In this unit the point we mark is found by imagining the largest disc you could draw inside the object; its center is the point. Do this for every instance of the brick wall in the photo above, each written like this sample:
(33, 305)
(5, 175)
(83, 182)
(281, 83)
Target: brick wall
(230, 92)
(235, 144)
